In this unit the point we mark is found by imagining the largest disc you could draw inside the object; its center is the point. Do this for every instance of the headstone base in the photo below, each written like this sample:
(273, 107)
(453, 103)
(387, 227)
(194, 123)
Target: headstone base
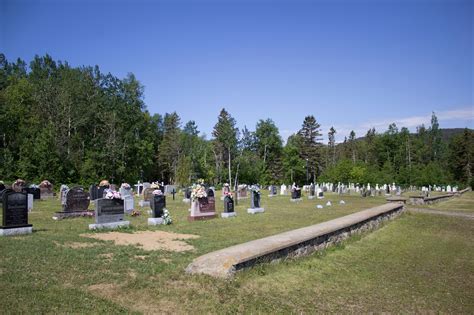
(209, 216)
(186, 200)
(310, 197)
(5, 231)
(320, 197)
(272, 196)
(110, 225)
(255, 210)
(47, 196)
(155, 221)
(296, 200)
(73, 214)
(144, 203)
(228, 214)
(239, 198)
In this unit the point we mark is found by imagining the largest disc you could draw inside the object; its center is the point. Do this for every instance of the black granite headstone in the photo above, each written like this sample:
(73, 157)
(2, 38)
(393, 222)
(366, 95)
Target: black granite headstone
(274, 190)
(187, 193)
(228, 204)
(255, 201)
(108, 210)
(36, 192)
(296, 194)
(15, 210)
(157, 205)
(76, 200)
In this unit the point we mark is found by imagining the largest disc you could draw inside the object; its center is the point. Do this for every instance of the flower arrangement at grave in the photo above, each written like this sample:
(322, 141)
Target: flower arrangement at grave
(198, 192)
(157, 192)
(228, 194)
(45, 184)
(255, 189)
(103, 183)
(166, 217)
(155, 185)
(19, 182)
(112, 195)
(242, 186)
(135, 213)
(200, 181)
(125, 186)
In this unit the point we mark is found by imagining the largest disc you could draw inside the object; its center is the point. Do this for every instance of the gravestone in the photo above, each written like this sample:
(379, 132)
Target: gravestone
(2, 190)
(311, 191)
(255, 203)
(30, 202)
(282, 189)
(228, 207)
(109, 214)
(35, 191)
(273, 191)
(101, 191)
(128, 200)
(225, 191)
(147, 196)
(15, 214)
(320, 194)
(93, 192)
(187, 195)
(76, 203)
(203, 208)
(46, 190)
(62, 194)
(158, 204)
(296, 194)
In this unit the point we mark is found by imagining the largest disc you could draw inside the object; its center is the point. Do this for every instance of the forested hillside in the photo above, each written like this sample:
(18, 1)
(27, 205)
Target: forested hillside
(79, 125)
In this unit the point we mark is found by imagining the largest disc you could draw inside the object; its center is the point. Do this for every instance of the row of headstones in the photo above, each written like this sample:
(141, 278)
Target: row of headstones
(205, 207)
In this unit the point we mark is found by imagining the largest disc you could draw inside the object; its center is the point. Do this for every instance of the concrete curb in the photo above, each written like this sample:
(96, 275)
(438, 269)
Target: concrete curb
(225, 262)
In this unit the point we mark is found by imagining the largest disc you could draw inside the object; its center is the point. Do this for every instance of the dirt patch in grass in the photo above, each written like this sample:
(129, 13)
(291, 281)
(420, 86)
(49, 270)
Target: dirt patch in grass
(148, 240)
(135, 300)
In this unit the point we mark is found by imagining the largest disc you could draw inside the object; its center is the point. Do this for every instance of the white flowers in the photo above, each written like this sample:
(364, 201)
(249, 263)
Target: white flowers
(166, 217)
(112, 195)
(155, 185)
(198, 191)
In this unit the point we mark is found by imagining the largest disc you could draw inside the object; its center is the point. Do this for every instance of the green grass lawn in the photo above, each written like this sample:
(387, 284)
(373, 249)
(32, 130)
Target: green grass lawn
(415, 263)
(463, 203)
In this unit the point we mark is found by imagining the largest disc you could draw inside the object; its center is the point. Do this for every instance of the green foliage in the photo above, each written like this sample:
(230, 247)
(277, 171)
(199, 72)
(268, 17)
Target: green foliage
(79, 125)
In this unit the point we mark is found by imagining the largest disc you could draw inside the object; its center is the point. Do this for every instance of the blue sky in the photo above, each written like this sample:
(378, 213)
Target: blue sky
(351, 64)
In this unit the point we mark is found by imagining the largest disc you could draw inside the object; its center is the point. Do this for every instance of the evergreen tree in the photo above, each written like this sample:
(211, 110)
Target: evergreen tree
(310, 145)
(225, 143)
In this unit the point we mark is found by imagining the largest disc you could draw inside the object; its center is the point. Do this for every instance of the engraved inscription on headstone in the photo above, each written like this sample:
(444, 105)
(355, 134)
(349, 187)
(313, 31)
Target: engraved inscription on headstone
(108, 210)
(15, 209)
(76, 200)
(157, 205)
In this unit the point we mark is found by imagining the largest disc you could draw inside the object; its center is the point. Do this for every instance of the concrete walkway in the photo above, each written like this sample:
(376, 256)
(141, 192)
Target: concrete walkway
(224, 262)
(441, 212)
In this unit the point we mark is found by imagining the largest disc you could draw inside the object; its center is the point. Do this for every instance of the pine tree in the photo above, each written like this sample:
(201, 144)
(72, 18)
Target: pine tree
(332, 145)
(310, 149)
(225, 142)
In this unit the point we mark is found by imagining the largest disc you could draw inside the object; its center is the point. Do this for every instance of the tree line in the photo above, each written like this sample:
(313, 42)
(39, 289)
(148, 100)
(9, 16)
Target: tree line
(79, 125)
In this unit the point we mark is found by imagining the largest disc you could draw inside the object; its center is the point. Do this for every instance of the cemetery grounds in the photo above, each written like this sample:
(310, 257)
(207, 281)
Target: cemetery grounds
(416, 263)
